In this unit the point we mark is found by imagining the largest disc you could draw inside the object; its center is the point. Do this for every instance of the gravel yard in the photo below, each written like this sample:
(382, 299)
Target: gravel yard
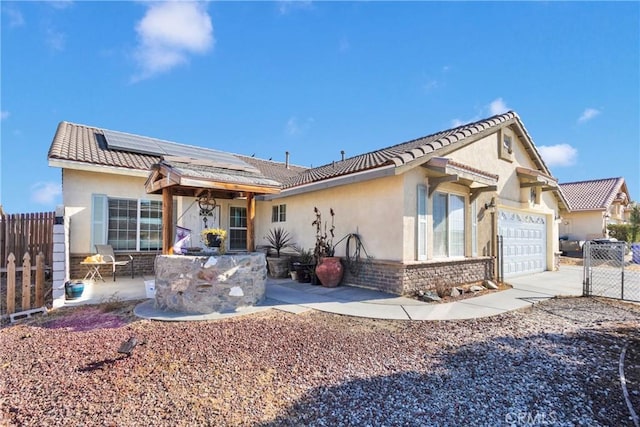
(554, 364)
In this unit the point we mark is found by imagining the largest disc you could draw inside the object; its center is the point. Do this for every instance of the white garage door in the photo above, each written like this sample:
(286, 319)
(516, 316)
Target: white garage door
(524, 242)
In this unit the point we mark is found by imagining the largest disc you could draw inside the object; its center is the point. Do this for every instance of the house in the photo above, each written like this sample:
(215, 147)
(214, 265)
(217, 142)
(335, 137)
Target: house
(461, 205)
(594, 204)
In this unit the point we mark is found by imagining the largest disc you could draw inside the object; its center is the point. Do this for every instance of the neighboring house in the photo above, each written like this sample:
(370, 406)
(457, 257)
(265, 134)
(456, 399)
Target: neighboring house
(428, 211)
(594, 204)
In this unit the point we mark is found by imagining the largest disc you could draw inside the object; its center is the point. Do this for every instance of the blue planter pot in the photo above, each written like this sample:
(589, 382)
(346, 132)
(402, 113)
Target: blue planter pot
(74, 289)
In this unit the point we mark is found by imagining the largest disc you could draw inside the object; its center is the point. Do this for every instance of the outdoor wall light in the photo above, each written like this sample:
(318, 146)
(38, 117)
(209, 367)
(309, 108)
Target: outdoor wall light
(490, 205)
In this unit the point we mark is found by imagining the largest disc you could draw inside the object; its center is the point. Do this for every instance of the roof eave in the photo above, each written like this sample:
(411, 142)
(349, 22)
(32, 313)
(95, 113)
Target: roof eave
(93, 167)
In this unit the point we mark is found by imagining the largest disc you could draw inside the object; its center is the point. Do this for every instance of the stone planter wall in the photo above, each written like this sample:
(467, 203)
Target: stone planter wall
(208, 284)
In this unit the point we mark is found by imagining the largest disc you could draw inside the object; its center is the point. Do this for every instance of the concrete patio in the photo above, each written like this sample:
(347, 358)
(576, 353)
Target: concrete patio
(294, 297)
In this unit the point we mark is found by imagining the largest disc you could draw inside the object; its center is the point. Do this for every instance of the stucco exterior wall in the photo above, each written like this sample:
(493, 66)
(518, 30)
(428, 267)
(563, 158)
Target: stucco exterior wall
(582, 225)
(78, 186)
(484, 155)
(373, 209)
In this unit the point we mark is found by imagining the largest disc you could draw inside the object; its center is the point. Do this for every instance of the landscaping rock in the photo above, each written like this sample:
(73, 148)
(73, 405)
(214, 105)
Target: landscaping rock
(476, 288)
(430, 296)
(456, 292)
(490, 285)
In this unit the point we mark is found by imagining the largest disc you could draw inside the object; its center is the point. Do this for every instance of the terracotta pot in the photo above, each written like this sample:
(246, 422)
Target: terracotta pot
(330, 271)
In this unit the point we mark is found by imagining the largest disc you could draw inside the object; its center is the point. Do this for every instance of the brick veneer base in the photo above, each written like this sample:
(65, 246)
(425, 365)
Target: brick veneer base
(405, 279)
(143, 265)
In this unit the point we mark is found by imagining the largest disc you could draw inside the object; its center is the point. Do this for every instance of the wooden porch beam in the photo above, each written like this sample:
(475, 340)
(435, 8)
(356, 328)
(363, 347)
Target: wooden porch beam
(251, 216)
(167, 220)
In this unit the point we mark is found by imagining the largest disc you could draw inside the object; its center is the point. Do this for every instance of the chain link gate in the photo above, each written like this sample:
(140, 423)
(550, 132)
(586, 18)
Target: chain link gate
(605, 274)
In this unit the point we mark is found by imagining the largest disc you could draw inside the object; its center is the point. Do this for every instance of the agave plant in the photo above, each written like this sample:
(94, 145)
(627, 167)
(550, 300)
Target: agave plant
(279, 239)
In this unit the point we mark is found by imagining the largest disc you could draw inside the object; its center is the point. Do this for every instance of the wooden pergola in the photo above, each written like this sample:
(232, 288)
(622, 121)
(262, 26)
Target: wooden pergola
(175, 176)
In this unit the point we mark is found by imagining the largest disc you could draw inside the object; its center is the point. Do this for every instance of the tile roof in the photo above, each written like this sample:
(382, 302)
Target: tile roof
(274, 170)
(594, 194)
(85, 144)
(399, 154)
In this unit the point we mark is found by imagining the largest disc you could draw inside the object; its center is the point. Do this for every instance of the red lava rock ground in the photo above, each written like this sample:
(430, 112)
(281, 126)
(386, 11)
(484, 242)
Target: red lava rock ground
(556, 362)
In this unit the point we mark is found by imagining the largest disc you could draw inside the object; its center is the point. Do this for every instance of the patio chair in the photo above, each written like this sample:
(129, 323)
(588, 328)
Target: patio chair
(109, 258)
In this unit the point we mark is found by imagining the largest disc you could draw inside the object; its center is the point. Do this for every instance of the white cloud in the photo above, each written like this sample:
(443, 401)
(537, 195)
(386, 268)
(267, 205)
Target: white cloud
(344, 45)
(430, 85)
(295, 127)
(457, 122)
(45, 193)
(61, 4)
(55, 40)
(588, 114)
(558, 155)
(498, 106)
(4, 115)
(15, 17)
(169, 32)
(286, 6)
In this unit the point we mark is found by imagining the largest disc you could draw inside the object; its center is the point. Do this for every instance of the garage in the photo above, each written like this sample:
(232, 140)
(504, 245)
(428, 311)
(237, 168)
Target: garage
(524, 242)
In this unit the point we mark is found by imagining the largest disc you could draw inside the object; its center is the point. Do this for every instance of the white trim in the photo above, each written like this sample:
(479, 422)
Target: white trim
(91, 167)
(421, 222)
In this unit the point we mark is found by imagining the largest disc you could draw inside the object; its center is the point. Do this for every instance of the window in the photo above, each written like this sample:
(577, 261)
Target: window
(448, 225)
(279, 213)
(422, 222)
(122, 224)
(237, 228)
(505, 148)
(126, 224)
(507, 144)
(150, 225)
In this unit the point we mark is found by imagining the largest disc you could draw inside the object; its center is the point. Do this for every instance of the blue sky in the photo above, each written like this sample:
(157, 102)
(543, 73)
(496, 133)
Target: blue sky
(315, 78)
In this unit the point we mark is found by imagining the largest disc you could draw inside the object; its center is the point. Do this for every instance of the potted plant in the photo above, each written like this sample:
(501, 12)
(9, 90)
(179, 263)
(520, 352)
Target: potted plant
(329, 270)
(214, 238)
(278, 239)
(304, 265)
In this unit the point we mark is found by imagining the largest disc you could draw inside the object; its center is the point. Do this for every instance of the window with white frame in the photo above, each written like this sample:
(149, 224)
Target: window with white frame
(448, 225)
(237, 228)
(279, 213)
(421, 222)
(126, 224)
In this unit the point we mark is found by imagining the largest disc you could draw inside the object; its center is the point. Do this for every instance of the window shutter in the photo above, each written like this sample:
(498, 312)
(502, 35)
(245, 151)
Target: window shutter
(422, 222)
(99, 220)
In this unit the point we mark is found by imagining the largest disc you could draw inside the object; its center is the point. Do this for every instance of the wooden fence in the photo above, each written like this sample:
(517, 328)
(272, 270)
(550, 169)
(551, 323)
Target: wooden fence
(30, 233)
(25, 290)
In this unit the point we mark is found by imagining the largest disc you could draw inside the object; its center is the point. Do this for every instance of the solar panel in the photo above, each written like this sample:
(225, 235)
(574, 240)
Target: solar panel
(158, 147)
